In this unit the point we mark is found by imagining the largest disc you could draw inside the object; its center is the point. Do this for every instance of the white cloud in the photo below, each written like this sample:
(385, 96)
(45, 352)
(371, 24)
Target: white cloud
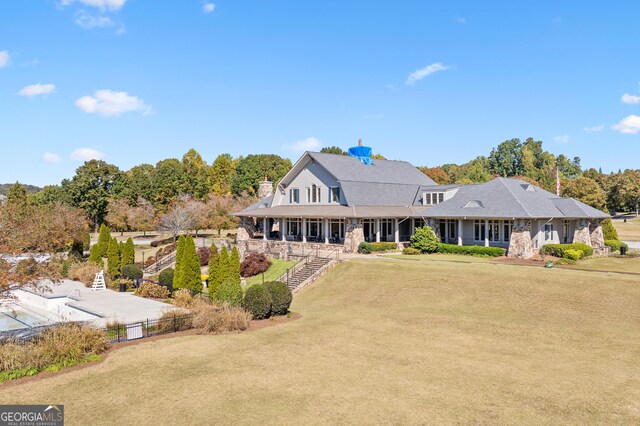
(630, 99)
(208, 7)
(4, 58)
(629, 125)
(562, 139)
(110, 104)
(461, 20)
(308, 144)
(50, 157)
(87, 21)
(594, 129)
(86, 154)
(426, 71)
(37, 89)
(100, 4)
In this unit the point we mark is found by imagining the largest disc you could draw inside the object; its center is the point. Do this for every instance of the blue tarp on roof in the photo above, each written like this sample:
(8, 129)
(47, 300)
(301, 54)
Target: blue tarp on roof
(362, 153)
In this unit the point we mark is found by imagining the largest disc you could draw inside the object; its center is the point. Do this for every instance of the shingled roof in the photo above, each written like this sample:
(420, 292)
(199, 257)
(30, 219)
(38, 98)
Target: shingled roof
(509, 198)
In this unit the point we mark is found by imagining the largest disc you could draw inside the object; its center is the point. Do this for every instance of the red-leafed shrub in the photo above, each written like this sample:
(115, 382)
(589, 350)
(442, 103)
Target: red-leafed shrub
(150, 261)
(204, 253)
(254, 264)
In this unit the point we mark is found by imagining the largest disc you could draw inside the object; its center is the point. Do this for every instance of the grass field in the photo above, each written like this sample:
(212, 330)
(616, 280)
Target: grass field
(628, 231)
(278, 267)
(613, 264)
(388, 341)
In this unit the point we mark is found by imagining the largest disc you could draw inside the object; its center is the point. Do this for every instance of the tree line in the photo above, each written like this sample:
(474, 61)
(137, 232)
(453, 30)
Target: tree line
(616, 191)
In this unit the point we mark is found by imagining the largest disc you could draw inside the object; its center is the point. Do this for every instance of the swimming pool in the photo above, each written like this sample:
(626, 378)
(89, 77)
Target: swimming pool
(15, 317)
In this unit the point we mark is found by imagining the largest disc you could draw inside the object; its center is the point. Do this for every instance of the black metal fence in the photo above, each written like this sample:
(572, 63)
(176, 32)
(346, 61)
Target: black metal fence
(121, 332)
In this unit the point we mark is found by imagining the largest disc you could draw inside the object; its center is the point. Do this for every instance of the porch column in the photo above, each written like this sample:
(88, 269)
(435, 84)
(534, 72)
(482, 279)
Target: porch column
(459, 232)
(377, 225)
(486, 232)
(283, 230)
(265, 221)
(413, 226)
(325, 229)
(304, 229)
(397, 231)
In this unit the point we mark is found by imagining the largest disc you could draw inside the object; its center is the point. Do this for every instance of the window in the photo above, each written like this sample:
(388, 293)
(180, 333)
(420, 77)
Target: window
(334, 194)
(494, 230)
(548, 231)
(506, 229)
(452, 229)
(433, 198)
(294, 227)
(314, 228)
(294, 195)
(479, 230)
(565, 231)
(313, 194)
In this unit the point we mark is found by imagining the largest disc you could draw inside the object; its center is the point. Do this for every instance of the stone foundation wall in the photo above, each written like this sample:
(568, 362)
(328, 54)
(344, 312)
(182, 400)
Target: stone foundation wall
(285, 249)
(520, 244)
(582, 234)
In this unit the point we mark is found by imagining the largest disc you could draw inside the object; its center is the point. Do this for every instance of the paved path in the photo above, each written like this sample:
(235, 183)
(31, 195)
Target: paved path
(633, 244)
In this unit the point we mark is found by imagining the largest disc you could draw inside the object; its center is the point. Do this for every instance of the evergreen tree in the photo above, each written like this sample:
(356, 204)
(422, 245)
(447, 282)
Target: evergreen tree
(103, 240)
(129, 253)
(214, 263)
(191, 274)
(188, 275)
(234, 266)
(94, 256)
(223, 265)
(177, 277)
(113, 258)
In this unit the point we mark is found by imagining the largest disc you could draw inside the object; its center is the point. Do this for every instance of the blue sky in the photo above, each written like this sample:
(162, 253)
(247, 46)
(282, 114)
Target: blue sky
(135, 81)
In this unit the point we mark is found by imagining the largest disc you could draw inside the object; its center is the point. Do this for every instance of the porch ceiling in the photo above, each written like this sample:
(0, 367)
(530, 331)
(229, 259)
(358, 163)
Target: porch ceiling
(332, 212)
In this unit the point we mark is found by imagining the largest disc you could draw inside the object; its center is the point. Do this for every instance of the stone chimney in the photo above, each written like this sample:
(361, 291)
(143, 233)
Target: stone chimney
(265, 189)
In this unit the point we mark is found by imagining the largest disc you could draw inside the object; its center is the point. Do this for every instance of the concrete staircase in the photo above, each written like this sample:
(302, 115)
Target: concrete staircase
(306, 272)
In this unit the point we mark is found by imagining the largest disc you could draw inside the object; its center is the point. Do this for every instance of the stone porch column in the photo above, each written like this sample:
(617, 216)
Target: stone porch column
(486, 233)
(397, 231)
(377, 225)
(520, 241)
(304, 229)
(353, 236)
(459, 232)
(581, 233)
(597, 236)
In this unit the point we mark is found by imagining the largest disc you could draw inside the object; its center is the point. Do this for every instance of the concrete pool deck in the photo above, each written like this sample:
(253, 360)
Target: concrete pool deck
(109, 305)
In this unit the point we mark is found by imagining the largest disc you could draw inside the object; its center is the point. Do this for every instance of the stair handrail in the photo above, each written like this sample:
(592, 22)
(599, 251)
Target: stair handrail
(161, 262)
(295, 268)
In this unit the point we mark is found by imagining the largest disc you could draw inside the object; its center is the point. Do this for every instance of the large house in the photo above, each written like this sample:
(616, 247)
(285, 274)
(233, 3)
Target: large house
(338, 201)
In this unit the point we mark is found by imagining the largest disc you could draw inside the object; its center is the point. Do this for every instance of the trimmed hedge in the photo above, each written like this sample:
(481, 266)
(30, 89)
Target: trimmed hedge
(367, 248)
(558, 250)
(573, 254)
(257, 300)
(615, 244)
(131, 272)
(480, 251)
(166, 279)
(281, 297)
(411, 251)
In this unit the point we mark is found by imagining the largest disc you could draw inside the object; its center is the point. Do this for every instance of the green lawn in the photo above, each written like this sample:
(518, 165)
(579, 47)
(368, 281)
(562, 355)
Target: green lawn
(278, 267)
(388, 341)
(628, 231)
(613, 264)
